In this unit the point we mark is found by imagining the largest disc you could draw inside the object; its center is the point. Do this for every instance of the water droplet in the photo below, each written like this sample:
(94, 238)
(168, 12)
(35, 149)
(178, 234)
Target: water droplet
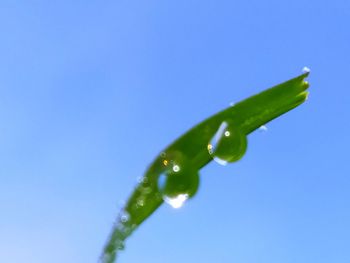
(263, 128)
(124, 217)
(228, 144)
(232, 104)
(178, 180)
(176, 168)
(306, 70)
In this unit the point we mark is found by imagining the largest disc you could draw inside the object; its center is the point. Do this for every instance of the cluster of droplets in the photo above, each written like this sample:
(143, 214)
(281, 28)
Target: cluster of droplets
(228, 144)
(122, 229)
(178, 180)
(145, 190)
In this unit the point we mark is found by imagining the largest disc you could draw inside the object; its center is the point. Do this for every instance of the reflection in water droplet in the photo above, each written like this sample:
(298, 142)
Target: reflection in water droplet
(178, 180)
(176, 168)
(176, 202)
(220, 161)
(228, 144)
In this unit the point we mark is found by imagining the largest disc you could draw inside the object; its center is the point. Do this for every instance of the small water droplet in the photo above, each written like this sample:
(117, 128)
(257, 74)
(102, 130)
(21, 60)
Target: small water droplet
(220, 161)
(263, 128)
(176, 168)
(306, 70)
(232, 104)
(176, 202)
(124, 217)
(228, 144)
(177, 179)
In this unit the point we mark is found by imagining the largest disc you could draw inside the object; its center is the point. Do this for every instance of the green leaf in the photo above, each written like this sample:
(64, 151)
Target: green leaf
(247, 116)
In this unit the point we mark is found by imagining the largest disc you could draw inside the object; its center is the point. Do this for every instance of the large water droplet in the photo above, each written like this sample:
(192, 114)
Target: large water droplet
(178, 180)
(228, 144)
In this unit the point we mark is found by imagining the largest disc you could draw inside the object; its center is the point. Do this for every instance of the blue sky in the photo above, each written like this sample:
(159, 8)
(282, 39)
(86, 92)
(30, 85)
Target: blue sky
(91, 91)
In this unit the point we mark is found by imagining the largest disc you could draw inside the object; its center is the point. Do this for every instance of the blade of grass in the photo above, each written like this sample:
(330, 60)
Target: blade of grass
(248, 114)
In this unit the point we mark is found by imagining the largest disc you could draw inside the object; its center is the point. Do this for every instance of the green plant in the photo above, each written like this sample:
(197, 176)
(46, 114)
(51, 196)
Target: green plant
(173, 176)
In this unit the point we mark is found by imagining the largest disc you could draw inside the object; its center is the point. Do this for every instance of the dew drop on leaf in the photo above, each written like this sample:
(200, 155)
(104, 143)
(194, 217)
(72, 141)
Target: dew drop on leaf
(306, 70)
(124, 217)
(263, 128)
(178, 180)
(228, 144)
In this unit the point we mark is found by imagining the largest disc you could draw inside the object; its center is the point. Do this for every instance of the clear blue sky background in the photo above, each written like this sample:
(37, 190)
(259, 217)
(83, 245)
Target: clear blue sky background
(91, 91)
